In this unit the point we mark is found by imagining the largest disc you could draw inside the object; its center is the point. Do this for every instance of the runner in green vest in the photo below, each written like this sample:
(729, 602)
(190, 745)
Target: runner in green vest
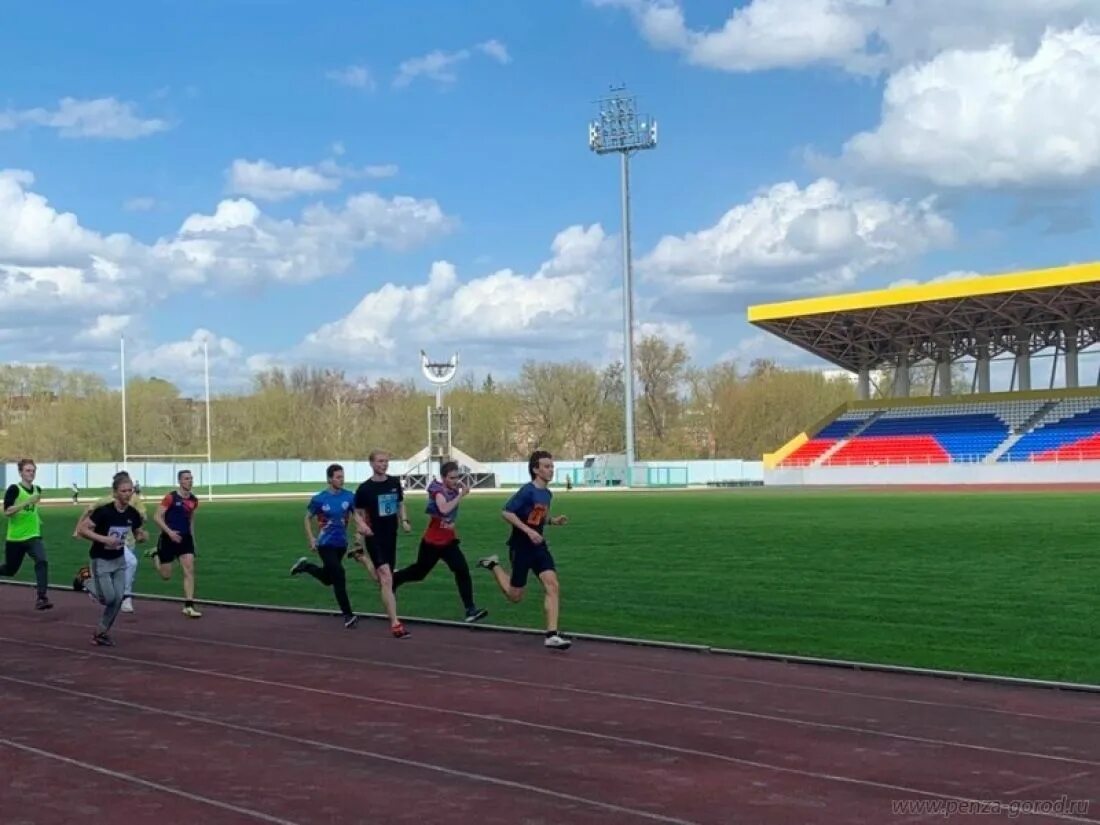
(25, 531)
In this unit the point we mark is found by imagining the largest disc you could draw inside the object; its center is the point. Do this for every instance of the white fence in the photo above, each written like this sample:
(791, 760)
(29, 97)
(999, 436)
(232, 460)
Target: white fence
(1009, 472)
(159, 474)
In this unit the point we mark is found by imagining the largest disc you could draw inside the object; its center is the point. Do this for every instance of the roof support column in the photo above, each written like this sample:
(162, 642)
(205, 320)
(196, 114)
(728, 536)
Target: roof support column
(901, 377)
(1071, 349)
(864, 383)
(1023, 360)
(982, 366)
(943, 368)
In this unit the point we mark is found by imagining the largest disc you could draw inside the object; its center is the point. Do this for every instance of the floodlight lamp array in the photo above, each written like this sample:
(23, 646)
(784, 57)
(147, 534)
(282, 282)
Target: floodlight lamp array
(620, 128)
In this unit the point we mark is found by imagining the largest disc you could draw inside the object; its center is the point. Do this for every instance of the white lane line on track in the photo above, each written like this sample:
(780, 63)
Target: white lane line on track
(137, 780)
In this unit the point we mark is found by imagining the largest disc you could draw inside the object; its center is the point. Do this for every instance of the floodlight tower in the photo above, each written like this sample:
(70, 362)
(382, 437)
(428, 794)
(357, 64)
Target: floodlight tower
(621, 129)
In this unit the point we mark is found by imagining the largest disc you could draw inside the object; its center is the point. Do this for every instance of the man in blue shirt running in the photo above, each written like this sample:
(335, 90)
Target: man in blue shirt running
(528, 511)
(333, 508)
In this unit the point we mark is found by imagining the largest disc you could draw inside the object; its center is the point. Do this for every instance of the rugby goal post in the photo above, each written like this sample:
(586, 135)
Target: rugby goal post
(208, 456)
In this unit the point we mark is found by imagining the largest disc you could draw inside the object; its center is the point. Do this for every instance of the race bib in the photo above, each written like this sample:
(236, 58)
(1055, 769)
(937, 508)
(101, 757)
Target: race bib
(387, 505)
(124, 533)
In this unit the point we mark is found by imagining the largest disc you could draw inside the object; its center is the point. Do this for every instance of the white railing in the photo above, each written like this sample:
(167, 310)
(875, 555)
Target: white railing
(969, 458)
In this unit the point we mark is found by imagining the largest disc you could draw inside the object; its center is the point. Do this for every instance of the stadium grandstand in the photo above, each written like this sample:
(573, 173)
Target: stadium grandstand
(1022, 435)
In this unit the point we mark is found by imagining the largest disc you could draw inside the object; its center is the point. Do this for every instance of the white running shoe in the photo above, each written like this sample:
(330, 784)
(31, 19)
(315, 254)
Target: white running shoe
(557, 642)
(127, 605)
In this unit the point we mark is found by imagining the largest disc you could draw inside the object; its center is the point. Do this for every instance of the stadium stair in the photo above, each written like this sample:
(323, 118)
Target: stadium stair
(839, 445)
(1068, 433)
(1019, 432)
(827, 438)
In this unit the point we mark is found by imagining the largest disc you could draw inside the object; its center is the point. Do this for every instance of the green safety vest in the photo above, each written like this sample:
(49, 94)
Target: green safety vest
(26, 524)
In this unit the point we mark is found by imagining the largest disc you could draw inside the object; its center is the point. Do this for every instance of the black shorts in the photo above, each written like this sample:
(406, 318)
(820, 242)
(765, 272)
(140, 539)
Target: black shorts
(168, 551)
(528, 559)
(382, 550)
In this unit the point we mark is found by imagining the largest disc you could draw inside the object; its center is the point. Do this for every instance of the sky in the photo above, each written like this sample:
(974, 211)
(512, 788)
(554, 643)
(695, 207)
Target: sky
(344, 184)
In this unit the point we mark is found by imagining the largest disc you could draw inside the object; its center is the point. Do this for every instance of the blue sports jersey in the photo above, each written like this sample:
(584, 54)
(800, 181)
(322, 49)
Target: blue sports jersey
(333, 511)
(532, 505)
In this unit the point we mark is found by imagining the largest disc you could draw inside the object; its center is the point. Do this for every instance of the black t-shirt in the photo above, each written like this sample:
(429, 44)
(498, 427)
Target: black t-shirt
(109, 521)
(381, 500)
(12, 493)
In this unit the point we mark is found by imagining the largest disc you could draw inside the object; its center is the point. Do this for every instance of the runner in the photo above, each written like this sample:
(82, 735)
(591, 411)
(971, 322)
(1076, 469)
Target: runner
(528, 511)
(380, 504)
(80, 582)
(333, 508)
(110, 528)
(24, 536)
(440, 541)
(175, 516)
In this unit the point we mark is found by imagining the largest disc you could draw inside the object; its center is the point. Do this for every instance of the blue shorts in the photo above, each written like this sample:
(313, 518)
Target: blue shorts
(528, 559)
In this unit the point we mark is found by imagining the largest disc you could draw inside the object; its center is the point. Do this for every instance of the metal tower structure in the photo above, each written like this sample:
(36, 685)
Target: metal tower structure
(621, 129)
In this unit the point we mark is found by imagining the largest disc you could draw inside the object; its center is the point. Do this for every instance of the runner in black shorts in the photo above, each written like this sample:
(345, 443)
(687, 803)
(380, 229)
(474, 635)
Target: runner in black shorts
(380, 502)
(528, 511)
(175, 516)
(440, 541)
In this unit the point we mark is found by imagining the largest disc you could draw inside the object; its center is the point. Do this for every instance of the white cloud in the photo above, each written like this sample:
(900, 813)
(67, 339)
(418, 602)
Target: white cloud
(673, 332)
(56, 274)
(140, 204)
(496, 317)
(992, 117)
(104, 118)
(764, 34)
(496, 50)
(182, 363)
(105, 330)
(954, 275)
(380, 170)
(33, 232)
(789, 240)
(264, 180)
(355, 76)
(762, 346)
(441, 66)
(437, 65)
(859, 36)
(239, 245)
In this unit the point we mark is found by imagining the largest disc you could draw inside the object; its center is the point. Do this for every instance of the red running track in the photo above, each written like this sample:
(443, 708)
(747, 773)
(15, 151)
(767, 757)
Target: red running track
(256, 716)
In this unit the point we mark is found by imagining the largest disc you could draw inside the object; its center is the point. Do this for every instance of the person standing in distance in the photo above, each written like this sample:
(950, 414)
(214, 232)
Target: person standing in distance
(109, 527)
(333, 508)
(440, 540)
(528, 512)
(175, 516)
(380, 504)
(25, 531)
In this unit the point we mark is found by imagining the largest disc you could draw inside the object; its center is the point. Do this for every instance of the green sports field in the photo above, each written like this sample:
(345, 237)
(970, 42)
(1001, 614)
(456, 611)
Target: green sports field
(991, 582)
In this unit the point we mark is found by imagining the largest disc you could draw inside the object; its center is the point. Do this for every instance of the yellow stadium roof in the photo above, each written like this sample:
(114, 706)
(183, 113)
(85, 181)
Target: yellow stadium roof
(965, 315)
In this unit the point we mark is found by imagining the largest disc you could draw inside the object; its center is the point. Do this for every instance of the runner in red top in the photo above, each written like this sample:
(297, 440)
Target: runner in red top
(440, 541)
(175, 516)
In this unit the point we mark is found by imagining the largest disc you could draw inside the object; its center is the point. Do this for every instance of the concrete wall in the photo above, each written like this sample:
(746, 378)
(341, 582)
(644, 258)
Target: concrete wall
(221, 473)
(1020, 472)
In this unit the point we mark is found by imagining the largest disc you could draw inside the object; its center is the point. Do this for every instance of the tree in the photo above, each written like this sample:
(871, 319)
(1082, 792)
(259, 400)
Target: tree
(560, 407)
(661, 370)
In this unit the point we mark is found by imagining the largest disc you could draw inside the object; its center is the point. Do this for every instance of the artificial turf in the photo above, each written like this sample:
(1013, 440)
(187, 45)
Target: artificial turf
(990, 582)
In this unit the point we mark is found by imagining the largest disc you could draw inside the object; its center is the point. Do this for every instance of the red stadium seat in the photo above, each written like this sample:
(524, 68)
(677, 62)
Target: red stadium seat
(865, 450)
(808, 452)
